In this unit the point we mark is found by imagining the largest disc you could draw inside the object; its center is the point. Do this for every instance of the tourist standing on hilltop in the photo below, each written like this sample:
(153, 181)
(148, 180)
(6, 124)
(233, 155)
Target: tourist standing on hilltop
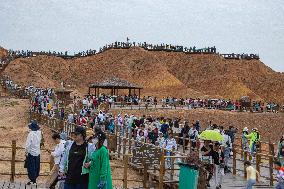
(252, 173)
(32, 149)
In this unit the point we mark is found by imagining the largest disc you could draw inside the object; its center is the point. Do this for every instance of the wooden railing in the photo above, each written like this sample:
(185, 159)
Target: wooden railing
(14, 149)
(181, 106)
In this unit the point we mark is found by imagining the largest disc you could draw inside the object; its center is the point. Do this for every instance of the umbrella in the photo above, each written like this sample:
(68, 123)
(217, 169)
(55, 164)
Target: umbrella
(211, 135)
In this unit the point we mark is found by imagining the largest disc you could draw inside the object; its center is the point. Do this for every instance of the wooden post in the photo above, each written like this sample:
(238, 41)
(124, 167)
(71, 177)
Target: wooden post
(116, 130)
(162, 170)
(172, 166)
(145, 173)
(130, 141)
(271, 155)
(183, 144)
(258, 160)
(125, 167)
(13, 169)
(245, 159)
(271, 169)
(271, 149)
(119, 146)
(242, 149)
(124, 146)
(234, 161)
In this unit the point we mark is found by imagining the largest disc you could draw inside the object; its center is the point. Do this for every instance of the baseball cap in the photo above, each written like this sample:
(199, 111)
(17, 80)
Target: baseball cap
(80, 130)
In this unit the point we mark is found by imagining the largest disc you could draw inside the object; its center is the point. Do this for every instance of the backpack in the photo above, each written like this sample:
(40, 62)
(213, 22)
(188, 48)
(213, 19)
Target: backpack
(257, 137)
(193, 135)
(281, 150)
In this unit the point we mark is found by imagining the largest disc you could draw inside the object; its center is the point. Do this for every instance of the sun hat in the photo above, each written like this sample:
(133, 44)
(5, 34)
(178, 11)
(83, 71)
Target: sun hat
(34, 126)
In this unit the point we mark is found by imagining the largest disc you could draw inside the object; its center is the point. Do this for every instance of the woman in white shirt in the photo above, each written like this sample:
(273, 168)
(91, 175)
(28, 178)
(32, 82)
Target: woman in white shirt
(56, 156)
(33, 152)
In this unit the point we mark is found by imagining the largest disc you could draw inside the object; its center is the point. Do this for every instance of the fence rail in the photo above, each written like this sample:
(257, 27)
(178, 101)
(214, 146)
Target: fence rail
(14, 148)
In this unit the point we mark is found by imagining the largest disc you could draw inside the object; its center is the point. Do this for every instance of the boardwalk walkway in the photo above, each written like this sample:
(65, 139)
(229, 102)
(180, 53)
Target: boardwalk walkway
(9, 185)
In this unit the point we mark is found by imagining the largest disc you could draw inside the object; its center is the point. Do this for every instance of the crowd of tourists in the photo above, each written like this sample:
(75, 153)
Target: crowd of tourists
(80, 162)
(125, 45)
(168, 134)
(189, 103)
(223, 104)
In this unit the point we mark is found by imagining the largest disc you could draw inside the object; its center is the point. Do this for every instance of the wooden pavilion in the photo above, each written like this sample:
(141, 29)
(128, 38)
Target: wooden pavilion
(114, 84)
(63, 95)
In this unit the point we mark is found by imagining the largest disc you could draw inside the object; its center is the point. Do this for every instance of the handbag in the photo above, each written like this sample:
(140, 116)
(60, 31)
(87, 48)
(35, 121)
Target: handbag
(26, 162)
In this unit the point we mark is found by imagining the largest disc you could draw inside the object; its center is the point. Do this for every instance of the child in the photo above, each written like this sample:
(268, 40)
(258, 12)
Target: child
(252, 173)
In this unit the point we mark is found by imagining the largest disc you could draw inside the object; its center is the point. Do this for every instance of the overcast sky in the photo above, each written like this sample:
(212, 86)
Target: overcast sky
(249, 26)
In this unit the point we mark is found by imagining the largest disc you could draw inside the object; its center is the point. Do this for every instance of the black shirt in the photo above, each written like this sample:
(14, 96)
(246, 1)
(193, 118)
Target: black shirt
(217, 157)
(204, 149)
(76, 158)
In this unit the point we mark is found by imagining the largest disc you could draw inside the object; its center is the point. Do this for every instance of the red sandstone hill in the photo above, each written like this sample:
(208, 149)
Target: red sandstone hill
(3, 52)
(160, 73)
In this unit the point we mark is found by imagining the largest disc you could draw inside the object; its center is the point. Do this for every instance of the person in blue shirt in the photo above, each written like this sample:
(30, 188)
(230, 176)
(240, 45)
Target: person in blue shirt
(164, 127)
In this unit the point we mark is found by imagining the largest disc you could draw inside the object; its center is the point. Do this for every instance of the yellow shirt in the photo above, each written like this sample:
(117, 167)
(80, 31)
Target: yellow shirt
(251, 173)
(48, 106)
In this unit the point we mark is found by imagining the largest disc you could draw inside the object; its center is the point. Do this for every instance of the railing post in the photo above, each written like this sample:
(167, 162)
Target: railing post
(259, 147)
(242, 149)
(124, 146)
(162, 170)
(119, 146)
(258, 160)
(13, 168)
(271, 148)
(125, 167)
(234, 160)
(145, 173)
(245, 159)
(271, 155)
(130, 142)
(271, 169)
(183, 144)
(172, 166)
